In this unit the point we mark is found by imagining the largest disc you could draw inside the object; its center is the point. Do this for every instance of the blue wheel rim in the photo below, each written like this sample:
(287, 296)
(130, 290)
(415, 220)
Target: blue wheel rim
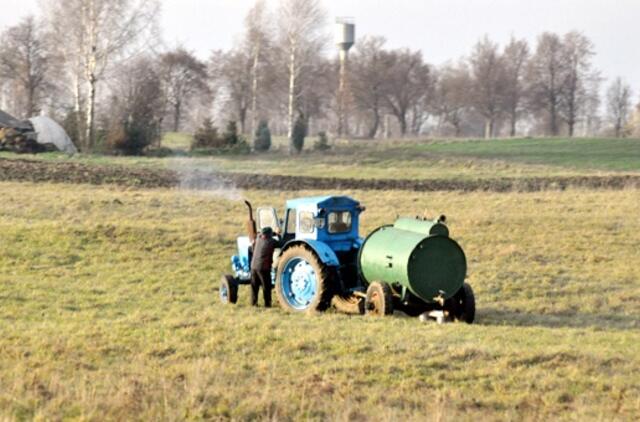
(299, 283)
(224, 293)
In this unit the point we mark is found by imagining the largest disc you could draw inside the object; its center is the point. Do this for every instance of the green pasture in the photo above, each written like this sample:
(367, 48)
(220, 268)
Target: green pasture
(578, 153)
(407, 159)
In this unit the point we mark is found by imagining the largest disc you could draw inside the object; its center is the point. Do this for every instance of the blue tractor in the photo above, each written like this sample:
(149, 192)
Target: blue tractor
(315, 264)
(412, 265)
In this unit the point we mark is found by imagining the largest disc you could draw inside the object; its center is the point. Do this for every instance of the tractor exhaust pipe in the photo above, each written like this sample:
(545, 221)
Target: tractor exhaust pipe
(251, 223)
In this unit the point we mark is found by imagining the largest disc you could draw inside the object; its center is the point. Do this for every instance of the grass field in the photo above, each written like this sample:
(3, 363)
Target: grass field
(411, 159)
(108, 310)
(601, 154)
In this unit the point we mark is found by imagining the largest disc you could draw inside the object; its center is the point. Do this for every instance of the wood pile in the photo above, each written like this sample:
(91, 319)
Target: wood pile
(21, 142)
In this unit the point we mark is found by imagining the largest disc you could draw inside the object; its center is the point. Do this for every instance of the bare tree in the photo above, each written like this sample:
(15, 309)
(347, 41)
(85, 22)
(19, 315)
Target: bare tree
(578, 51)
(369, 67)
(300, 24)
(320, 81)
(25, 60)
(231, 71)
(406, 83)
(619, 104)
(421, 109)
(98, 33)
(634, 124)
(487, 71)
(450, 100)
(135, 107)
(590, 109)
(547, 75)
(515, 57)
(182, 76)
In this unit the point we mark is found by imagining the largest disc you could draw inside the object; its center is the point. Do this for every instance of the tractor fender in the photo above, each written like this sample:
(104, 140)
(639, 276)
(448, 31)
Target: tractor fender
(324, 252)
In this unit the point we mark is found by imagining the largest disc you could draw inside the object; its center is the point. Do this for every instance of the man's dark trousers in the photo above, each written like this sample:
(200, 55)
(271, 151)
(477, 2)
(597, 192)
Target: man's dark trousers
(261, 278)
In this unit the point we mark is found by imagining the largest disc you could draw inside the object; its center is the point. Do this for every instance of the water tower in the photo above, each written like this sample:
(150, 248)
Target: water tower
(345, 39)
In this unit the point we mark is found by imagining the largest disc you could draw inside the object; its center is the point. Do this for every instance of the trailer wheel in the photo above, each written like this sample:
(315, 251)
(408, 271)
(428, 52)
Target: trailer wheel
(302, 281)
(379, 301)
(228, 290)
(464, 304)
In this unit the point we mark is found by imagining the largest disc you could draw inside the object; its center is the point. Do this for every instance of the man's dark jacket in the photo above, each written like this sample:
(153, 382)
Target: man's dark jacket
(263, 253)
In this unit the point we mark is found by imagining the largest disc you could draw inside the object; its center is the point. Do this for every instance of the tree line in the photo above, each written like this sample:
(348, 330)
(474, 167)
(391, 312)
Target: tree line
(100, 66)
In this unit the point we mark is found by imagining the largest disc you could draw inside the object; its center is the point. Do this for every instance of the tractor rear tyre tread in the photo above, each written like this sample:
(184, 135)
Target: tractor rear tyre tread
(352, 305)
(322, 300)
(231, 285)
(379, 301)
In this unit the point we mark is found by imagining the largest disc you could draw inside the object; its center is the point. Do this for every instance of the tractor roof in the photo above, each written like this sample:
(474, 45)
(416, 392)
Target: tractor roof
(324, 202)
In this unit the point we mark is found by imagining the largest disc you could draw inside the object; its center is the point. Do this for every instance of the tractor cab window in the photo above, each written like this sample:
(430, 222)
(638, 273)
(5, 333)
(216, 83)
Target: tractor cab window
(307, 223)
(267, 217)
(339, 222)
(291, 222)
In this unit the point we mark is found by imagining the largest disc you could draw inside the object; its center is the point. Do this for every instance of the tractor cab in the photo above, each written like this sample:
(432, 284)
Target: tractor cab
(332, 220)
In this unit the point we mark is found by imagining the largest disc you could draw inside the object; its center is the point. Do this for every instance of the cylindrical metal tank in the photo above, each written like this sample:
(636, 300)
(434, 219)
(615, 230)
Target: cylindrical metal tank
(430, 266)
(426, 227)
(345, 33)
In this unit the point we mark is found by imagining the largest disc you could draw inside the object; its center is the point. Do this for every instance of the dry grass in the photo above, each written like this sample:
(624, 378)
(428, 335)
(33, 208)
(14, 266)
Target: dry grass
(108, 310)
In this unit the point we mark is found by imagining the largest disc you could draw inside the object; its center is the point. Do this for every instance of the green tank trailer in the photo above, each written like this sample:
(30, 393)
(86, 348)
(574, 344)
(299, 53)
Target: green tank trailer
(417, 265)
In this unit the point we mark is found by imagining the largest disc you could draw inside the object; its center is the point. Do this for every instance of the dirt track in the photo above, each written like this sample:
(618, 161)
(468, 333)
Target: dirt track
(41, 171)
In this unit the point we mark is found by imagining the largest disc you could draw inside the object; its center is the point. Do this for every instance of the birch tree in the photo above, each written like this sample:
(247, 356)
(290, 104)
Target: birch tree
(301, 24)
(258, 43)
(95, 35)
(25, 61)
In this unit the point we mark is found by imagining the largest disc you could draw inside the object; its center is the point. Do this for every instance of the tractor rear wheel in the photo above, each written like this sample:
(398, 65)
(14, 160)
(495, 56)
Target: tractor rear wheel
(379, 301)
(228, 290)
(302, 281)
(464, 304)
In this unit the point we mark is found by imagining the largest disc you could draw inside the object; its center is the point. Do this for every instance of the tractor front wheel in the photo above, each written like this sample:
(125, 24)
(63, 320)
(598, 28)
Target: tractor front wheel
(228, 290)
(379, 300)
(302, 281)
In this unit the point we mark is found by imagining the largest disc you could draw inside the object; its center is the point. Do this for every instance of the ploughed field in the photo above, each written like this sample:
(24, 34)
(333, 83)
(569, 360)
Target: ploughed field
(185, 176)
(109, 310)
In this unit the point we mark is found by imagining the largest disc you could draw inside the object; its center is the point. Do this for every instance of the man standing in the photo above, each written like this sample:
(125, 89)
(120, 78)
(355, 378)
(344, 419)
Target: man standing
(261, 267)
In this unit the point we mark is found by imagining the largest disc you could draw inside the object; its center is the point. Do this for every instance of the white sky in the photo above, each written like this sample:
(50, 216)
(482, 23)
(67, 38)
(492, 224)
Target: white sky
(442, 29)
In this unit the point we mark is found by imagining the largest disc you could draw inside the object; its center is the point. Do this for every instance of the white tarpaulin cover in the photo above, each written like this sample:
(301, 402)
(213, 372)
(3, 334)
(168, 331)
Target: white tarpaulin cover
(49, 132)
